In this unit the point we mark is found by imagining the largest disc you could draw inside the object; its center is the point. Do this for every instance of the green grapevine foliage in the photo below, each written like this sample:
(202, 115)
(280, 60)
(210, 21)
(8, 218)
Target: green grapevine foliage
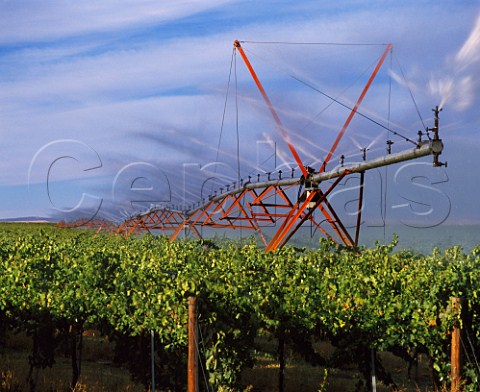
(59, 280)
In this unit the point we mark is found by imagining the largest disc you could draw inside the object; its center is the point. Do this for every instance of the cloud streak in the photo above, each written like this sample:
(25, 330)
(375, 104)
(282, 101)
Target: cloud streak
(33, 21)
(146, 80)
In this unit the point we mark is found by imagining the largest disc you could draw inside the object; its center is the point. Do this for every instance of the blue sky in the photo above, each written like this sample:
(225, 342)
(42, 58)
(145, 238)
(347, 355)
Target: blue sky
(112, 106)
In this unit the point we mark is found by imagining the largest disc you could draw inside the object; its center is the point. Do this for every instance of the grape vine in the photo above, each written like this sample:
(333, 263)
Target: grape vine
(56, 280)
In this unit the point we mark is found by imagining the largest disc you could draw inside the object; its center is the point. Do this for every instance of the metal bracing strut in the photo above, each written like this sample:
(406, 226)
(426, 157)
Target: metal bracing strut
(251, 204)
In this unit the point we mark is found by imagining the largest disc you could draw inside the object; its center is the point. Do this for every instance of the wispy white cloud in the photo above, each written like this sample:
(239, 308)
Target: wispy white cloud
(47, 20)
(118, 75)
(103, 73)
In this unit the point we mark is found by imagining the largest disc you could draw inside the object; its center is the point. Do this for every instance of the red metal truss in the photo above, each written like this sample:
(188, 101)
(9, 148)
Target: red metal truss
(233, 211)
(246, 209)
(99, 225)
(256, 206)
(279, 205)
(355, 108)
(270, 107)
(296, 212)
(299, 213)
(162, 220)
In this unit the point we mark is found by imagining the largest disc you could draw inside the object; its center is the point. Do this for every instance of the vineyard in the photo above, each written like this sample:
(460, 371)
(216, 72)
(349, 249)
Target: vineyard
(57, 283)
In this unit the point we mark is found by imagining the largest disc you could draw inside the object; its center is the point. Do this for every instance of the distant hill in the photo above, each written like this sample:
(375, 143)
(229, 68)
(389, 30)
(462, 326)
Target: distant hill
(30, 219)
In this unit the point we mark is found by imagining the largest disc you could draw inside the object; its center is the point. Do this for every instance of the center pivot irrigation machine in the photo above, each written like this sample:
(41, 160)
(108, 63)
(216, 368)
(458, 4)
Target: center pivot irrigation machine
(284, 201)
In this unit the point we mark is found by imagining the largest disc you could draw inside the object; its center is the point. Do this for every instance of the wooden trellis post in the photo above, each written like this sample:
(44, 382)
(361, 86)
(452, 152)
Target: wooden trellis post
(456, 375)
(192, 341)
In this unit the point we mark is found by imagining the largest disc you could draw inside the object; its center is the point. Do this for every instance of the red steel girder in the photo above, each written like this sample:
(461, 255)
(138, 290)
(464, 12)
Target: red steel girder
(279, 123)
(90, 224)
(227, 213)
(245, 208)
(287, 229)
(355, 108)
(236, 211)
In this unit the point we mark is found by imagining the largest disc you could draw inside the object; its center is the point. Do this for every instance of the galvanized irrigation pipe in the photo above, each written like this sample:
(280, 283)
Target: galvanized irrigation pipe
(431, 147)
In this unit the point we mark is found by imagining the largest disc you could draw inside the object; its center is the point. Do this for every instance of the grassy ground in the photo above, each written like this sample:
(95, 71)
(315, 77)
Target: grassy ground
(302, 377)
(100, 375)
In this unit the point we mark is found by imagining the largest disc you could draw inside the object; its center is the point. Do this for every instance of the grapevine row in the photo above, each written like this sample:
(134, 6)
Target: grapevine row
(58, 283)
